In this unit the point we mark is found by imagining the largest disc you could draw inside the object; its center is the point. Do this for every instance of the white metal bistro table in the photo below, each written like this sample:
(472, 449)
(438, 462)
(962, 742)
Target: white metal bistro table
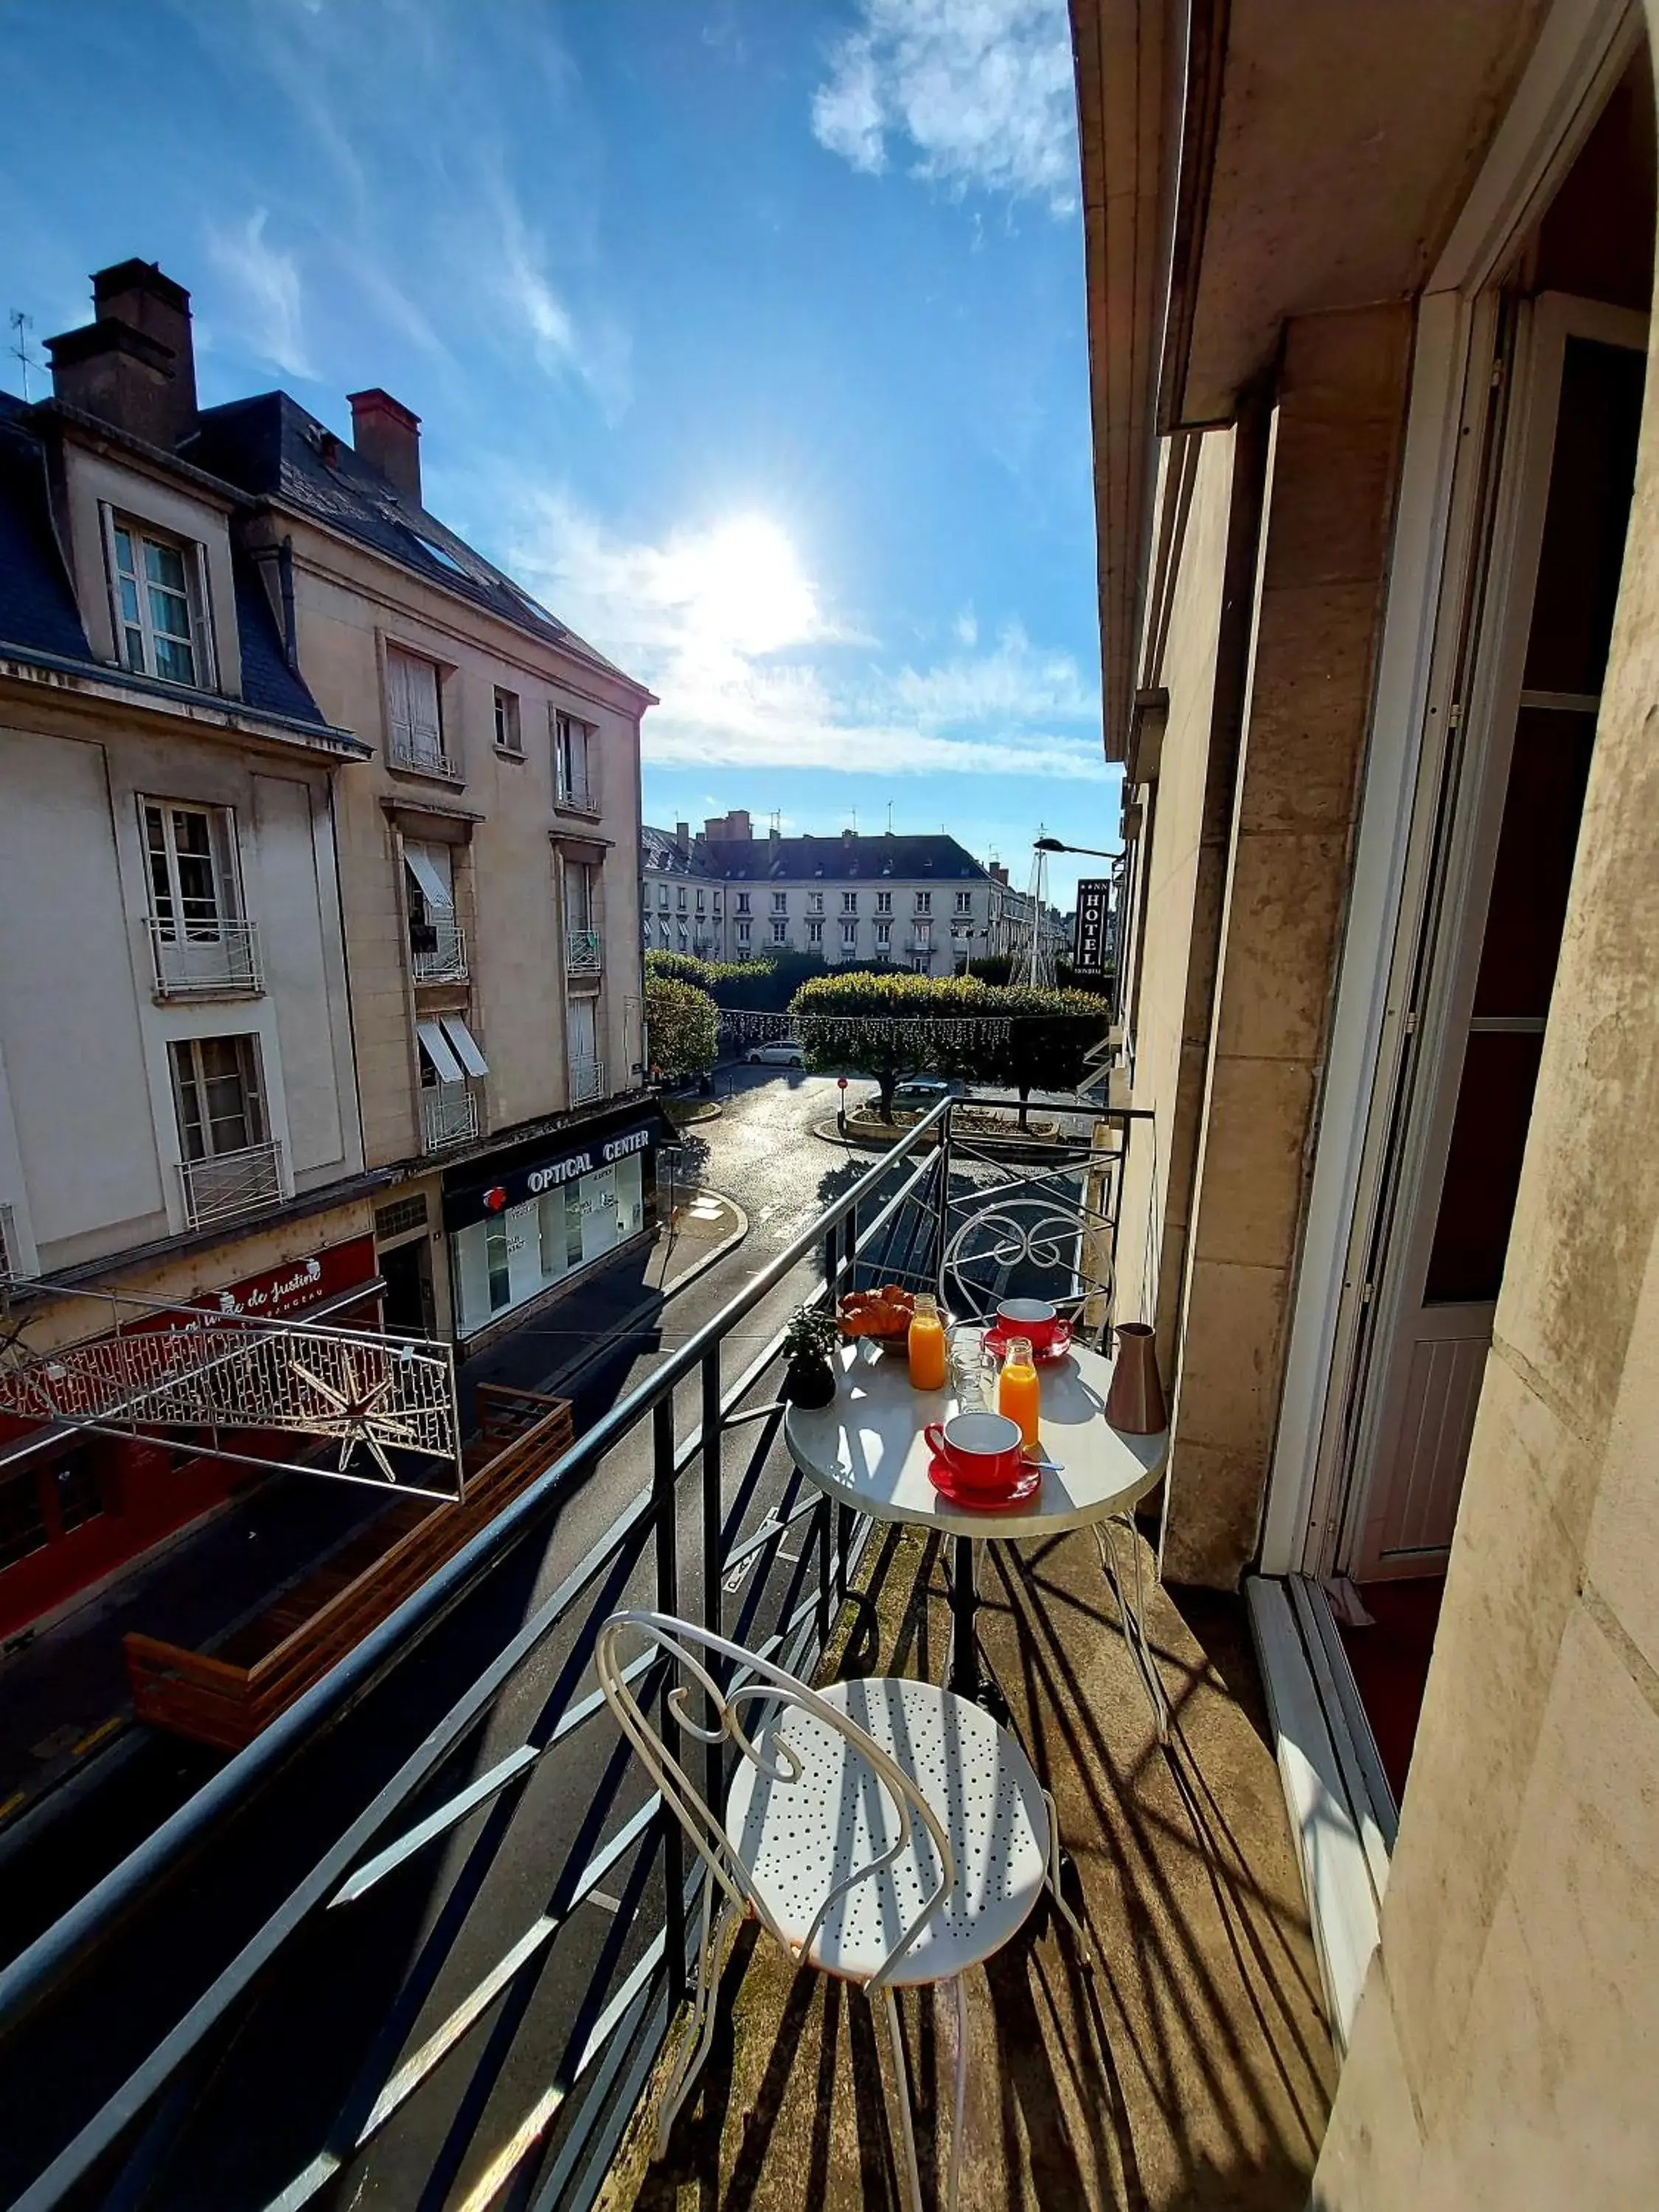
(866, 1450)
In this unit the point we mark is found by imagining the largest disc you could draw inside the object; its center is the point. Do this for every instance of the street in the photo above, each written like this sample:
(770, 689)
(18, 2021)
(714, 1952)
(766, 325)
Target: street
(759, 1150)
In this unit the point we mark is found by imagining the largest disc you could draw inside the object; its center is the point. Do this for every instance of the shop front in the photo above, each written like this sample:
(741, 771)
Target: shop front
(553, 1213)
(75, 1505)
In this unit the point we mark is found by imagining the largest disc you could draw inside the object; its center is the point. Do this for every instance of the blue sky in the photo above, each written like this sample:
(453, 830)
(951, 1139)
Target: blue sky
(750, 336)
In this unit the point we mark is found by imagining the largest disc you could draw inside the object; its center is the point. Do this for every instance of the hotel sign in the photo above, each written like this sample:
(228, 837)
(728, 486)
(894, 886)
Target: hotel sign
(1092, 941)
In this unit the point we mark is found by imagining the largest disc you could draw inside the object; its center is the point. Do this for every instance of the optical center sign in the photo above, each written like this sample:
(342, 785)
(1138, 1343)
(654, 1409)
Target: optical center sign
(1093, 909)
(484, 1202)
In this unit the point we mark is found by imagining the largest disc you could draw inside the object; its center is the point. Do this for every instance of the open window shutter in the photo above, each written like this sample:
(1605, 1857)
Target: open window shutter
(589, 769)
(435, 1045)
(465, 1045)
(423, 704)
(429, 866)
(396, 699)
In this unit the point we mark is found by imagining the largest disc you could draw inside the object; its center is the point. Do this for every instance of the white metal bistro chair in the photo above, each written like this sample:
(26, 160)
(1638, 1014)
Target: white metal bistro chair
(884, 1831)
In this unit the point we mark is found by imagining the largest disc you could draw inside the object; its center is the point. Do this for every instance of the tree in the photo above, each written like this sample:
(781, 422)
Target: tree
(1046, 1047)
(886, 1025)
(682, 1028)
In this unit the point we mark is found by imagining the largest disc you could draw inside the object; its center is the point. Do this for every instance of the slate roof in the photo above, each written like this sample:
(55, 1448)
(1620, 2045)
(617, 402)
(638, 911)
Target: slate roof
(270, 447)
(37, 606)
(659, 854)
(844, 859)
(38, 610)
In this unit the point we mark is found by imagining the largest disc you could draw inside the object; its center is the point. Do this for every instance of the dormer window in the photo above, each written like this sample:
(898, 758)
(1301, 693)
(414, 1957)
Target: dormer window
(157, 587)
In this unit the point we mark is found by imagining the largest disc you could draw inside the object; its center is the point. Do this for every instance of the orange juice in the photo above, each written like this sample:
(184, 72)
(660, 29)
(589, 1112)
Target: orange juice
(927, 1346)
(1018, 1391)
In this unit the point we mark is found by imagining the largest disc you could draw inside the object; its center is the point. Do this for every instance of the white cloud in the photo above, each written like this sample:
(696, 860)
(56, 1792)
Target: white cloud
(752, 669)
(966, 627)
(267, 284)
(981, 90)
(595, 353)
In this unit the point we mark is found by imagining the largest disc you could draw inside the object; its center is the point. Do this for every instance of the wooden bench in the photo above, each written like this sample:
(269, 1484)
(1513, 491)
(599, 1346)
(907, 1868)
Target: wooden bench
(225, 1695)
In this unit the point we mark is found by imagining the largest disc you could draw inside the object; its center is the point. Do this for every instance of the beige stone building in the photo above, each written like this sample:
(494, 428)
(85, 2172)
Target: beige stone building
(319, 967)
(1369, 297)
(488, 867)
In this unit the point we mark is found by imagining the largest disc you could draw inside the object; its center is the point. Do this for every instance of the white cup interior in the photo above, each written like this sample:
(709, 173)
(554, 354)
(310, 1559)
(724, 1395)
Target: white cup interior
(1017, 1310)
(978, 1436)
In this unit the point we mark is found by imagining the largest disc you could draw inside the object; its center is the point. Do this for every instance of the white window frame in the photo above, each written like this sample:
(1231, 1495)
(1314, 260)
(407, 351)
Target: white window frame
(814, 932)
(221, 856)
(849, 902)
(780, 902)
(743, 902)
(964, 902)
(185, 1053)
(193, 555)
(780, 931)
(509, 727)
(884, 901)
(924, 902)
(574, 740)
(742, 932)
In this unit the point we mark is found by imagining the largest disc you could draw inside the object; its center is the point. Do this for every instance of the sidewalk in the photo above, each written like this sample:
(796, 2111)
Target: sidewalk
(63, 1705)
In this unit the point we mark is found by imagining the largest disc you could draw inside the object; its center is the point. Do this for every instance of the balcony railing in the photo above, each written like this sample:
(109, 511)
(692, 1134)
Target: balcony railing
(578, 795)
(422, 749)
(377, 1773)
(583, 953)
(225, 1183)
(210, 960)
(437, 950)
(586, 1081)
(449, 1116)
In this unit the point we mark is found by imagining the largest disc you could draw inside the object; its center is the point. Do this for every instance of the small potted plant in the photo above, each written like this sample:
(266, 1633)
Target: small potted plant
(809, 1377)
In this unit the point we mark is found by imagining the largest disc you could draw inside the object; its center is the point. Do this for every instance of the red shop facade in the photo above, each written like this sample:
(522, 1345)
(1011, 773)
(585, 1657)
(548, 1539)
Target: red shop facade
(75, 1507)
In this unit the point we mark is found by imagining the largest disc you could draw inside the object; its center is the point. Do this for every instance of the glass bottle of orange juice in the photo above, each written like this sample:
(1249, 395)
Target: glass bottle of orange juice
(927, 1346)
(1018, 1391)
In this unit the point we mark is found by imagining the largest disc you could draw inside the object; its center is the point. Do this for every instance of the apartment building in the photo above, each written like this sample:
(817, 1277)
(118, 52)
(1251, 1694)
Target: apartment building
(486, 867)
(1369, 299)
(178, 1108)
(320, 990)
(682, 898)
(1009, 918)
(920, 903)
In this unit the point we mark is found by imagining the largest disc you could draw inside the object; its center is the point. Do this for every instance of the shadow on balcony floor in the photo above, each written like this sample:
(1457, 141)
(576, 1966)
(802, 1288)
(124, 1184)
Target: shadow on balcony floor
(1192, 2074)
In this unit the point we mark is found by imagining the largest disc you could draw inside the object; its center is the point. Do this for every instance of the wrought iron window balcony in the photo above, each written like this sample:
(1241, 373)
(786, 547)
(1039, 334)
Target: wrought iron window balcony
(423, 752)
(583, 953)
(577, 795)
(228, 1184)
(205, 960)
(437, 950)
(586, 1081)
(449, 1115)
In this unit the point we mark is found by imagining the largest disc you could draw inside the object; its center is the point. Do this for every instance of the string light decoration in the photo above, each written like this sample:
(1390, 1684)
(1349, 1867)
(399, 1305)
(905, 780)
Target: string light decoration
(741, 1026)
(183, 1368)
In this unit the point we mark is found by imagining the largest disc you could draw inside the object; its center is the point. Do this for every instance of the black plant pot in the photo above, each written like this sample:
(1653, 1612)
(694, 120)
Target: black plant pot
(809, 1381)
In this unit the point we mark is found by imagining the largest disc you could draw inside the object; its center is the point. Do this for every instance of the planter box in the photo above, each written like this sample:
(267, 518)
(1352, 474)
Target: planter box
(225, 1695)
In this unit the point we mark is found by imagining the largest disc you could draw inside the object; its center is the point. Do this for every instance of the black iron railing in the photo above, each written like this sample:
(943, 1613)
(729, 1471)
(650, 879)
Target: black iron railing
(430, 1929)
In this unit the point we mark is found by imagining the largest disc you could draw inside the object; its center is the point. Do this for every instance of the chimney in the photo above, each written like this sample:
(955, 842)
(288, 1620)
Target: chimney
(714, 826)
(738, 823)
(847, 836)
(135, 367)
(388, 437)
(999, 874)
(683, 835)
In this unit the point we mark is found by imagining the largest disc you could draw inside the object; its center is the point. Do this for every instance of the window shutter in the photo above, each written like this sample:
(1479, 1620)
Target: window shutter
(396, 699)
(423, 704)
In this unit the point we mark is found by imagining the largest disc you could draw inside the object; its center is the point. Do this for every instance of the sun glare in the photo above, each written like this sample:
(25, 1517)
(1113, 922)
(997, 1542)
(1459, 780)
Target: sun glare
(744, 589)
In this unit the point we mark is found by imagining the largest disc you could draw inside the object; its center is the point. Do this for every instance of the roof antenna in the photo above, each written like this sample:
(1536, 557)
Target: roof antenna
(777, 822)
(855, 821)
(19, 347)
(889, 817)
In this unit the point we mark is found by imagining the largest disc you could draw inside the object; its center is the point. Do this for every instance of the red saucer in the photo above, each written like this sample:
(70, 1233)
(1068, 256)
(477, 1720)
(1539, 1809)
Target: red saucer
(997, 1342)
(949, 1484)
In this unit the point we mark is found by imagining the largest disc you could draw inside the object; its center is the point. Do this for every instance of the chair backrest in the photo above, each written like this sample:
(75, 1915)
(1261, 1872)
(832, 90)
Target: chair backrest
(751, 1680)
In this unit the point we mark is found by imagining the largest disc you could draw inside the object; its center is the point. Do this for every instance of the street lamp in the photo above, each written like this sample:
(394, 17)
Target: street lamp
(1054, 845)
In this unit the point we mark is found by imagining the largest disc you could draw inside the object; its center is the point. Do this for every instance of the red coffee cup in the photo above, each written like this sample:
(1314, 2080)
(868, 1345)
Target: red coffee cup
(982, 1448)
(1033, 1319)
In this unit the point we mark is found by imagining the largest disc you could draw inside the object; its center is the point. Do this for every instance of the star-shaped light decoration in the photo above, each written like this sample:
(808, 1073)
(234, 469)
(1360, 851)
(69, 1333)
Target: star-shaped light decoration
(356, 1420)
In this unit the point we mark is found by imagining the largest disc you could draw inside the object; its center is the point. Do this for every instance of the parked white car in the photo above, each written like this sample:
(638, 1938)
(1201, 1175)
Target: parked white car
(783, 1052)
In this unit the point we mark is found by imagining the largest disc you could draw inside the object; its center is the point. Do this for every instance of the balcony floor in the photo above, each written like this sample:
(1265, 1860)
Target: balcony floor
(1194, 2074)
